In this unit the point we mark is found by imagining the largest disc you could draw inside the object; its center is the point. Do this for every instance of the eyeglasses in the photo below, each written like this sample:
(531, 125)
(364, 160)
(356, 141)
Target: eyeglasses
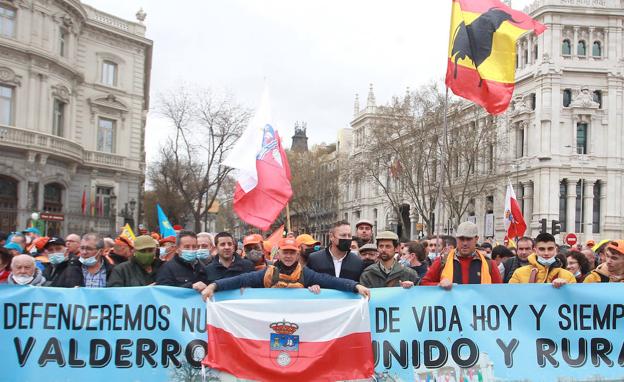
(88, 249)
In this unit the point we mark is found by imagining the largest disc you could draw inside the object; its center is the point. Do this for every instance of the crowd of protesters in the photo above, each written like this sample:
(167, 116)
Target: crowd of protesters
(210, 263)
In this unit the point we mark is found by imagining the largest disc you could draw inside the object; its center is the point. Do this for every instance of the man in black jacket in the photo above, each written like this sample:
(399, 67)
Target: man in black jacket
(337, 259)
(61, 271)
(524, 249)
(141, 268)
(184, 269)
(227, 263)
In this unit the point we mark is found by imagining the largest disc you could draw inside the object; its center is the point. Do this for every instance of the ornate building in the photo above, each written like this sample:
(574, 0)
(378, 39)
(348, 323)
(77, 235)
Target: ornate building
(74, 93)
(563, 134)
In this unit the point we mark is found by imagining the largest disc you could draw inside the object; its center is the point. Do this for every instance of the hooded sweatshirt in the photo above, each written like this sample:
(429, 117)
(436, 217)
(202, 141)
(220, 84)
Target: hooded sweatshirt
(37, 280)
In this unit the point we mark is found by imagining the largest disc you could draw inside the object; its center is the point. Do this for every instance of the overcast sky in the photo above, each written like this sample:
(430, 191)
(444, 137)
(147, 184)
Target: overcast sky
(316, 54)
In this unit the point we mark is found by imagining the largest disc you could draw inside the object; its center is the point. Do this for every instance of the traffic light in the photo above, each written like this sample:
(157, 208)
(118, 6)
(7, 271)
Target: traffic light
(555, 227)
(543, 222)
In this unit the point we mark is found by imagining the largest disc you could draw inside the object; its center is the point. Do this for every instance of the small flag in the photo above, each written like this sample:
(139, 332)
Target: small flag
(83, 203)
(127, 232)
(166, 229)
(482, 51)
(514, 221)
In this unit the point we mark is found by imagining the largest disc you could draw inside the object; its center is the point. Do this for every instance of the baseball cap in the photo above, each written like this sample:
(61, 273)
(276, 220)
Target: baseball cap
(54, 241)
(617, 245)
(32, 230)
(306, 239)
(598, 246)
(363, 221)
(122, 240)
(252, 239)
(288, 243)
(467, 229)
(168, 239)
(144, 242)
(14, 246)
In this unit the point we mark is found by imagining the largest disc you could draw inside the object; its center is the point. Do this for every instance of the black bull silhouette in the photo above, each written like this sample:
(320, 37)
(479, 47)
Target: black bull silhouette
(475, 39)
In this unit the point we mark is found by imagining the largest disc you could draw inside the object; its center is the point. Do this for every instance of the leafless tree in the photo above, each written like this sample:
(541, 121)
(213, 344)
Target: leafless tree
(206, 127)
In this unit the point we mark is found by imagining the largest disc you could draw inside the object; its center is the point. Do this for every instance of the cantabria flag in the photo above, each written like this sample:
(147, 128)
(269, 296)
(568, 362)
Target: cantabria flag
(290, 339)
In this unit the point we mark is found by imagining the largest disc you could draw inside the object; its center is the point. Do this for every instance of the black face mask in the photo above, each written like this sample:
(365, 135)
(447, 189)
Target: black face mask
(344, 245)
(368, 262)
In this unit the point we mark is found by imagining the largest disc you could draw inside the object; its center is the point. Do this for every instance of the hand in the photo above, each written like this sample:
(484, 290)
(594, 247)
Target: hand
(363, 291)
(152, 284)
(445, 284)
(558, 283)
(199, 286)
(316, 289)
(406, 284)
(209, 291)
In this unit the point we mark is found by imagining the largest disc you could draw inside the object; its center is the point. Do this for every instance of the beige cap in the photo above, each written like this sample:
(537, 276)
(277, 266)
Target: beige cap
(363, 221)
(387, 235)
(467, 229)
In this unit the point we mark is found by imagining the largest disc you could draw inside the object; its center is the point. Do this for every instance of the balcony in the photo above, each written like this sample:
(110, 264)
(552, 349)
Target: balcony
(64, 149)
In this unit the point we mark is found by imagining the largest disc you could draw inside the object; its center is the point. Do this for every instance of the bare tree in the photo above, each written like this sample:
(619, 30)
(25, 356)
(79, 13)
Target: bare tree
(206, 128)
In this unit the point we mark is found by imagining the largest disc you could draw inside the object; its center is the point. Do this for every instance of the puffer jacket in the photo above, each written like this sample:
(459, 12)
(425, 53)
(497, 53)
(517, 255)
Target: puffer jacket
(602, 275)
(543, 274)
(374, 277)
(38, 279)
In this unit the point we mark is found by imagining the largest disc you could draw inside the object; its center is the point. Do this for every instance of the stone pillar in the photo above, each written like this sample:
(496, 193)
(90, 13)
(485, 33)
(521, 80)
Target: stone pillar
(603, 207)
(413, 220)
(529, 51)
(528, 206)
(575, 42)
(571, 205)
(588, 208)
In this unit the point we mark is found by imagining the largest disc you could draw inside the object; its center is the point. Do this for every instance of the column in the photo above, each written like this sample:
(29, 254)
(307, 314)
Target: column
(528, 206)
(575, 42)
(413, 220)
(571, 205)
(603, 207)
(588, 207)
(529, 50)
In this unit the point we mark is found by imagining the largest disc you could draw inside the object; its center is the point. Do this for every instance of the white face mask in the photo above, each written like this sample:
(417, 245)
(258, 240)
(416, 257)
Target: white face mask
(433, 255)
(162, 252)
(22, 280)
(546, 262)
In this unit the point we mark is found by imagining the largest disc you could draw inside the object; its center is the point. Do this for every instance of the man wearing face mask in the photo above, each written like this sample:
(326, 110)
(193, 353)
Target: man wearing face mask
(369, 255)
(433, 249)
(121, 252)
(141, 269)
(544, 267)
(252, 245)
(25, 272)
(94, 269)
(167, 248)
(61, 271)
(337, 260)
(227, 263)
(184, 269)
(307, 245)
(204, 248)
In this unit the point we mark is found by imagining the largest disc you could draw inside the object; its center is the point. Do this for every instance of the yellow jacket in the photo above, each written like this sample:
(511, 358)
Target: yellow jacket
(594, 276)
(543, 275)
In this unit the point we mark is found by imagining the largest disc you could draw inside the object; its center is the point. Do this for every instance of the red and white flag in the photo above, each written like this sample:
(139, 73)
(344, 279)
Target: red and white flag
(291, 339)
(83, 203)
(262, 170)
(514, 221)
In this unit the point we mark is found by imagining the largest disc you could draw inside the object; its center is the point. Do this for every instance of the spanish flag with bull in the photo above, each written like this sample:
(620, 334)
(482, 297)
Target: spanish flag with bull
(482, 51)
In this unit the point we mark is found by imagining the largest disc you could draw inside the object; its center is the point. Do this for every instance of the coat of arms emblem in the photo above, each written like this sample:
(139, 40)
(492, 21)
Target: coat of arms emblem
(284, 345)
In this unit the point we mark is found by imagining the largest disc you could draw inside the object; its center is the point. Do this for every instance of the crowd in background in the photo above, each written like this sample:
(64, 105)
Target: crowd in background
(355, 260)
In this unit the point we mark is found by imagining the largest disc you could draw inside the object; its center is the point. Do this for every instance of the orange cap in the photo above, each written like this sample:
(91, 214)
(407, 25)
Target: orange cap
(288, 243)
(617, 246)
(590, 243)
(122, 240)
(306, 239)
(252, 239)
(168, 239)
(40, 242)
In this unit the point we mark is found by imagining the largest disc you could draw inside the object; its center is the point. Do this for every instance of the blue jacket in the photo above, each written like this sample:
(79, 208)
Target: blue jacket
(256, 280)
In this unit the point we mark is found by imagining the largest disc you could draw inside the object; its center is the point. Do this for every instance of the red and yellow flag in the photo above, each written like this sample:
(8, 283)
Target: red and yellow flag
(482, 51)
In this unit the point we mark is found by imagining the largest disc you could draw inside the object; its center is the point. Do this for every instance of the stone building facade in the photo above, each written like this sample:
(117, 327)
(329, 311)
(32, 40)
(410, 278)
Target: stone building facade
(563, 147)
(74, 94)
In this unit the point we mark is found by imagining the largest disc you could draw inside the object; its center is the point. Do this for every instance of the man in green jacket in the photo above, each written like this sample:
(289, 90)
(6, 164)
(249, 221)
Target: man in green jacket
(141, 269)
(387, 272)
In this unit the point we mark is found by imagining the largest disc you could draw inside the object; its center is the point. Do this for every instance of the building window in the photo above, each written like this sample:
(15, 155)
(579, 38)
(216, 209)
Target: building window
(581, 138)
(519, 143)
(103, 205)
(533, 100)
(6, 105)
(106, 135)
(566, 48)
(581, 48)
(7, 21)
(567, 97)
(109, 73)
(53, 197)
(535, 53)
(490, 162)
(597, 49)
(597, 96)
(63, 42)
(58, 120)
(563, 205)
(525, 55)
(596, 214)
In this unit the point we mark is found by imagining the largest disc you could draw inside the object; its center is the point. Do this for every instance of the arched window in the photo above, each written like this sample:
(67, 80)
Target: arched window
(581, 48)
(597, 49)
(566, 47)
(567, 97)
(525, 55)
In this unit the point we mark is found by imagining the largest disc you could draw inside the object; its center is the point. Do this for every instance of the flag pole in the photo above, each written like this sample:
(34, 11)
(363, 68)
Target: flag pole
(288, 218)
(442, 164)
